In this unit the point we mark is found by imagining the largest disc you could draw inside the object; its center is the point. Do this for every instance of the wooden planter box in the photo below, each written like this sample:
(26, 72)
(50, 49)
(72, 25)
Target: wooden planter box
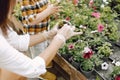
(71, 73)
(66, 69)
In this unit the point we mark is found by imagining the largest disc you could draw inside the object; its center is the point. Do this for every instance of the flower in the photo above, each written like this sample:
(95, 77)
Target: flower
(75, 2)
(117, 77)
(102, 6)
(87, 53)
(116, 73)
(67, 18)
(81, 26)
(100, 27)
(71, 46)
(104, 0)
(113, 61)
(96, 15)
(94, 31)
(104, 66)
(91, 3)
(117, 63)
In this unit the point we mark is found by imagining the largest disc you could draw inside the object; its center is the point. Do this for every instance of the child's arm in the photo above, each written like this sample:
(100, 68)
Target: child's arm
(51, 9)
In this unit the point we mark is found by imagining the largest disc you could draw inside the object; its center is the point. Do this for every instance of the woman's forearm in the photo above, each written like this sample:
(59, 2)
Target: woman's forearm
(49, 53)
(40, 37)
(37, 38)
(41, 16)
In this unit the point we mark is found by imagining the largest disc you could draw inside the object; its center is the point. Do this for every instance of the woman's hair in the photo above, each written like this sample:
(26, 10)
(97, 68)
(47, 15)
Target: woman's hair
(15, 25)
(4, 12)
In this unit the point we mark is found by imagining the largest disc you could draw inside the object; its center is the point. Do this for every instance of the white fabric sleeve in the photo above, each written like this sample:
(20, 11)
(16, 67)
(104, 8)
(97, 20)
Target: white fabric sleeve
(19, 42)
(17, 62)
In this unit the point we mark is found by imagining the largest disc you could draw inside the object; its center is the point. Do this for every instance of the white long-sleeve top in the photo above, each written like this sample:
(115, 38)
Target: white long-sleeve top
(15, 61)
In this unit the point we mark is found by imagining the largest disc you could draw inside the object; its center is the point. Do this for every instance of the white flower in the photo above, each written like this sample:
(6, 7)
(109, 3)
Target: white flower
(117, 63)
(102, 6)
(94, 31)
(104, 0)
(104, 66)
(81, 40)
(86, 49)
(81, 26)
(113, 61)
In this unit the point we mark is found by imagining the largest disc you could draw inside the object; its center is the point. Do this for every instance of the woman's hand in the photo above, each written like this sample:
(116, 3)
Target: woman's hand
(52, 32)
(67, 31)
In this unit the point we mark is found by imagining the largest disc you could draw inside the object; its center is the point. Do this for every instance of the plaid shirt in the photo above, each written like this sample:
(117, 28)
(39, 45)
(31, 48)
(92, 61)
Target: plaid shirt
(30, 8)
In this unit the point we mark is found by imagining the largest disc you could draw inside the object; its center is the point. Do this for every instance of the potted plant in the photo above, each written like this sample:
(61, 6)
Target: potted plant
(115, 5)
(116, 73)
(66, 52)
(87, 67)
(97, 61)
(105, 50)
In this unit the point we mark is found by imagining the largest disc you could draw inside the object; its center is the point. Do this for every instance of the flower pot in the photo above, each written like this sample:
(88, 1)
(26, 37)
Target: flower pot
(88, 74)
(105, 59)
(66, 56)
(98, 68)
(75, 64)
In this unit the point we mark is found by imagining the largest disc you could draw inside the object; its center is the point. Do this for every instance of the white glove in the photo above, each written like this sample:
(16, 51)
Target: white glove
(66, 32)
(50, 34)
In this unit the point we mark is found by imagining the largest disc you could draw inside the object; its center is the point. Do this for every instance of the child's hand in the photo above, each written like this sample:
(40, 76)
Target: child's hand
(52, 9)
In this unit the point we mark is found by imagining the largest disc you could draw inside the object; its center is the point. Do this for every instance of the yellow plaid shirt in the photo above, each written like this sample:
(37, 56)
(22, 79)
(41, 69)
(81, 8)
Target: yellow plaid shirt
(30, 8)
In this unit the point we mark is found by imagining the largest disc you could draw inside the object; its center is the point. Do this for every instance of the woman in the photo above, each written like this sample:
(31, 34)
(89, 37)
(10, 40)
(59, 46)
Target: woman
(33, 22)
(15, 61)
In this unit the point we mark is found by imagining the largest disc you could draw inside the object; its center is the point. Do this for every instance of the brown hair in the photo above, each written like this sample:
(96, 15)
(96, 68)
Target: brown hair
(4, 11)
(16, 25)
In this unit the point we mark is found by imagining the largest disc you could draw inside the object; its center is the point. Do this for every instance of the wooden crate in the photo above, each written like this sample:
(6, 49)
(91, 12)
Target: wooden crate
(66, 69)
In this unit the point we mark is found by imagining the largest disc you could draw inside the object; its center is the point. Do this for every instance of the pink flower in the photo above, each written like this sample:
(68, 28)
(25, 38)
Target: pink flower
(87, 53)
(91, 3)
(96, 15)
(67, 18)
(75, 2)
(100, 27)
(71, 46)
(117, 77)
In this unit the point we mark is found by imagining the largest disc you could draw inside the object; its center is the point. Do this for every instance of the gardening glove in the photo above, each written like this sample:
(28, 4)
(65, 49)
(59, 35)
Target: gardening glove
(66, 32)
(50, 34)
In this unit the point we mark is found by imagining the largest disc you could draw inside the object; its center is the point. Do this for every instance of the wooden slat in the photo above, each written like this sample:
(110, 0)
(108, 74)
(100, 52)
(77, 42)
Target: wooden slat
(74, 74)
